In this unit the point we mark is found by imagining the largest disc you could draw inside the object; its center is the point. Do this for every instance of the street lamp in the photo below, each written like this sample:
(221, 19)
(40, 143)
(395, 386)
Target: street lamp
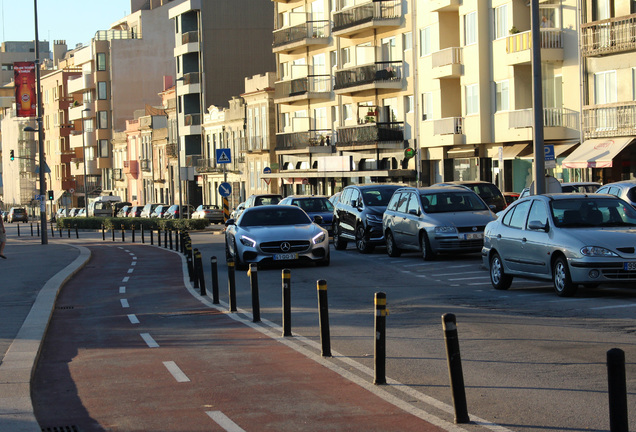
(176, 111)
(84, 156)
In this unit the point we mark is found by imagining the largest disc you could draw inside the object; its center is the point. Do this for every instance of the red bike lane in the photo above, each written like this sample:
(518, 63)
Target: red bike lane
(130, 349)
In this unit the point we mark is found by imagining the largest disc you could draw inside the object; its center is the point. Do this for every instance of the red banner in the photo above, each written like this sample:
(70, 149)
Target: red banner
(24, 79)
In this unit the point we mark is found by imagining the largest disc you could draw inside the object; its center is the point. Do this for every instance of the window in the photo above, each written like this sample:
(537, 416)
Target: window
(605, 87)
(103, 148)
(427, 106)
(333, 59)
(501, 21)
(407, 41)
(502, 99)
(345, 56)
(391, 103)
(425, 41)
(389, 50)
(101, 90)
(101, 61)
(318, 62)
(102, 120)
(472, 99)
(538, 212)
(470, 28)
(518, 218)
(320, 118)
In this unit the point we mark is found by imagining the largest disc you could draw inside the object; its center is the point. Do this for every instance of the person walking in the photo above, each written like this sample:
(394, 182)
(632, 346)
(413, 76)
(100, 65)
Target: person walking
(3, 238)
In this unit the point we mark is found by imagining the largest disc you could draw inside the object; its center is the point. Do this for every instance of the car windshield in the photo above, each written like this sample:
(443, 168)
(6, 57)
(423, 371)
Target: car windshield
(314, 205)
(443, 202)
(267, 200)
(271, 217)
(377, 197)
(592, 212)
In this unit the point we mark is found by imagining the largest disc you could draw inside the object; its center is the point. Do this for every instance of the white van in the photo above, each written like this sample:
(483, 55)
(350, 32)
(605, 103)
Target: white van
(102, 206)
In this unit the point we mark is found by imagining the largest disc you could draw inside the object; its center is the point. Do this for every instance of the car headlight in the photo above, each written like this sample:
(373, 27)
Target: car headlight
(248, 241)
(595, 251)
(445, 230)
(374, 218)
(319, 238)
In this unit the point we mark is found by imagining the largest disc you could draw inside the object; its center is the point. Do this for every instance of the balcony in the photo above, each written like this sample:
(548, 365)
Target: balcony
(371, 133)
(447, 63)
(254, 144)
(145, 165)
(75, 113)
(77, 167)
(81, 84)
(118, 174)
(131, 168)
(190, 37)
(79, 140)
(611, 120)
(444, 5)
(609, 36)
(367, 16)
(104, 163)
(518, 47)
(171, 150)
(192, 78)
(303, 89)
(378, 75)
(302, 35)
(192, 120)
(552, 117)
(312, 141)
(208, 166)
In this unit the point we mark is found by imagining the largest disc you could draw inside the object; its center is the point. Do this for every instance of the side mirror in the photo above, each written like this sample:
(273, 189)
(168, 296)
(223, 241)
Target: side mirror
(318, 219)
(414, 212)
(538, 226)
(229, 222)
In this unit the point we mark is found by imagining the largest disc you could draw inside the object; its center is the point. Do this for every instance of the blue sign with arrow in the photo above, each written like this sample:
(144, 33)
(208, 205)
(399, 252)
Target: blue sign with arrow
(223, 156)
(225, 189)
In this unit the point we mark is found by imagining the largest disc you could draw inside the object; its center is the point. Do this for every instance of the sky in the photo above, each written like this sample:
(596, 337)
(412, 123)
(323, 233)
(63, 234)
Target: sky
(74, 21)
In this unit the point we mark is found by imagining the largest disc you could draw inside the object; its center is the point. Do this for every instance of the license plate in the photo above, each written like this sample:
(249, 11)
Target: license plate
(285, 257)
(629, 266)
(473, 236)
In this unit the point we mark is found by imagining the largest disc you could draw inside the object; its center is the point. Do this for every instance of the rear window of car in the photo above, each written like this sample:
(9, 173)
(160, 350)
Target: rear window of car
(314, 205)
(19, 211)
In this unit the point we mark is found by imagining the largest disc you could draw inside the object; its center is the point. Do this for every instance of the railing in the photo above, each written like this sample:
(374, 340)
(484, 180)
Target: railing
(367, 12)
(446, 57)
(301, 140)
(208, 166)
(131, 167)
(370, 133)
(367, 74)
(609, 120)
(118, 174)
(192, 78)
(256, 143)
(609, 36)
(190, 37)
(448, 126)
(171, 150)
(144, 164)
(106, 35)
(297, 33)
(550, 38)
(192, 120)
(552, 117)
(300, 86)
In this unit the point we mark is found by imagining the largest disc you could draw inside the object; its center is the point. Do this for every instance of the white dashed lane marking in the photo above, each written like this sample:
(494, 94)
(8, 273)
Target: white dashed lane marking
(176, 372)
(130, 270)
(124, 280)
(122, 290)
(149, 340)
(133, 319)
(224, 421)
(124, 303)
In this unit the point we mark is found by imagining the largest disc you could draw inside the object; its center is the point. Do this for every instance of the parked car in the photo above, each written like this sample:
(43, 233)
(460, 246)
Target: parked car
(333, 199)
(572, 239)
(358, 215)
(159, 211)
(148, 209)
(487, 191)
(135, 211)
(174, 210)
(60, 213)
(211, 212)
(568, 187)
(124, 211)
(273, 233)
(81, 212)
(237, 211)
(624, 189)
(118, 206)
(510, 197)
(434, 220)
(17, 214)
(4, 215)
(259, 200)
(73, 212)
(313, 206)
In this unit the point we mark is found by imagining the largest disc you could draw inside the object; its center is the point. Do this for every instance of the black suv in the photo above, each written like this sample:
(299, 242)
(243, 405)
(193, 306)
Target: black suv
(358, 215)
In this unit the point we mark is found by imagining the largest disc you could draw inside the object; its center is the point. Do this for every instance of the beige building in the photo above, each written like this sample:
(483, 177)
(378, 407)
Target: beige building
(19, 176)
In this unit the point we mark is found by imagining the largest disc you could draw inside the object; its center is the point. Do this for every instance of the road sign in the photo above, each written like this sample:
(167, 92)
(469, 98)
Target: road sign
(223, 156)
(550, 160)
(225, 189)
(267, 170)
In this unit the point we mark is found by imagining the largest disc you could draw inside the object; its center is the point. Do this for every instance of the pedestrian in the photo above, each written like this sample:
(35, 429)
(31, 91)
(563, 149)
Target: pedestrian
(3, 238)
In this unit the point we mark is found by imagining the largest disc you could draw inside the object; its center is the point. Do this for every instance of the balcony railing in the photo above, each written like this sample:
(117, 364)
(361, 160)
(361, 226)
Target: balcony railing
(370, 133)
(171, 150)
(192, 78)
(256, 143)
(145, 165)
(192, 120)
(367, 74)
(131, 167)
(208, 166)
(617, 119)
(106, 35)
(190, 37)
(301, 86)
(118, 174)
(609, 36)
(302, 140)
(448, 126)
(550, 38)
(446, 57)
(367, 12)
(552, 117)
(297, 33)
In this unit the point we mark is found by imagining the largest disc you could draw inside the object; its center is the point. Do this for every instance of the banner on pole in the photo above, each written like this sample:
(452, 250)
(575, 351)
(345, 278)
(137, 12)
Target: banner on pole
(24, 79)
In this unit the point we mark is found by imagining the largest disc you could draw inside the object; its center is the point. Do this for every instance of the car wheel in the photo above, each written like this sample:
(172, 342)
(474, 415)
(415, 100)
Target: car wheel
(338, 242)
(499, 279)
(561, 277)
(391, 248)
(362, 243)
(425, 247)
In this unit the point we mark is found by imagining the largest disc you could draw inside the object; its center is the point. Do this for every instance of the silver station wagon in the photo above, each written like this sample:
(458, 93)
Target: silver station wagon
(435, 220)
(572, 239)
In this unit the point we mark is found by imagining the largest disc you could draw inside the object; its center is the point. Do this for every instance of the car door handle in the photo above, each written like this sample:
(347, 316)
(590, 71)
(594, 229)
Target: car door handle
(498, 236)
(524, 240)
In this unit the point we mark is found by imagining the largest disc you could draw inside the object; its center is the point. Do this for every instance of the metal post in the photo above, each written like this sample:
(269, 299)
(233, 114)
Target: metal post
(59, 230)
(103, 233)
(152, 237)
(231, 280)
(199, 265)
(159, 237)
(123, 233)
(18, 230)
(170, 239)
(112, 230)
(165, 238)
(195, 271)
(215, 280)
(286, 302)
(617, 390)
(132, 231)
(31, 229)
(143, 239)
(256, 304)
(379, 351)
(455, 368)
(68, 229)
(52, 229)
(537, 102)
(38, 226)
(38, 90)
(76, 232)
(190, 263)
(323, 318)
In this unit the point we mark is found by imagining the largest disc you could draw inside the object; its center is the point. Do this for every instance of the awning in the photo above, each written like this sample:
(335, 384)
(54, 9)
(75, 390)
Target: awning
(596, 153)
(57, 194)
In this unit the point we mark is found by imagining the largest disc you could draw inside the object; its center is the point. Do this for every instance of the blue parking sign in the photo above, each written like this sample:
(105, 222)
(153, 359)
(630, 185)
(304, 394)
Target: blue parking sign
(548, 150)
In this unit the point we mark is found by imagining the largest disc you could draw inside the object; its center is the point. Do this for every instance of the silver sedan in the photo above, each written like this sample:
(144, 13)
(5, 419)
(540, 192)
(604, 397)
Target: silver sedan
(571, 239)
(276, 233)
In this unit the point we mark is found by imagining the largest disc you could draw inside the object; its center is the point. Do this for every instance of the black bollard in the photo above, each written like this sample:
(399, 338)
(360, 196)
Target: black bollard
(176, 240)
(159, 237)
(170, 239)
(190, 263)
(123, 233)
(256, 304)
(231, 281)
(31, 229)
(52, 230)
(165, 238)
(455, 368)
(60, 229)
(215, 280)
(76, 232)
(286, 274)
(132, 232)
(103, 233)
(199, 266)
(323, 318)
(195, 270)
(143, 239)
(38, 226)
(68, 228)
(112, 230)
(617, 390)
(379, 348)
(152, 237)
(18, 230)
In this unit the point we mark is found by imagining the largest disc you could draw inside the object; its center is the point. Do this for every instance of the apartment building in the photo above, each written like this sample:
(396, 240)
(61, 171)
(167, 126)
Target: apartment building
(19, 51)
(20, 178)
(216, 44)
(607, 39)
